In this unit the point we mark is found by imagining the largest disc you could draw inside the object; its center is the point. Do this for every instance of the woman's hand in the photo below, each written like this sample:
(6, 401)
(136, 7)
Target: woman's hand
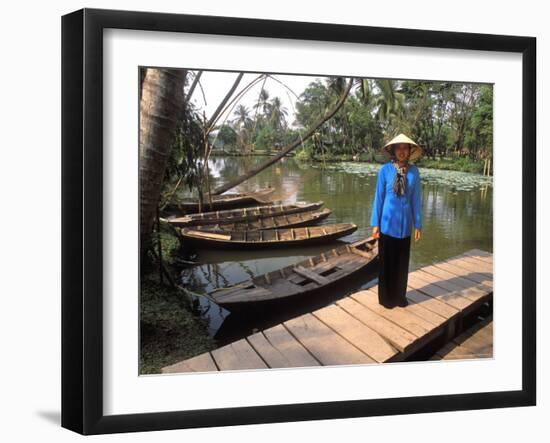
(376, 232)
(417, 234)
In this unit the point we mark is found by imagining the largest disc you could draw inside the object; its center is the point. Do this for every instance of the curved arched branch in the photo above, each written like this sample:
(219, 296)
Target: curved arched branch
(193, 86)
(290, 147)
(225, 100)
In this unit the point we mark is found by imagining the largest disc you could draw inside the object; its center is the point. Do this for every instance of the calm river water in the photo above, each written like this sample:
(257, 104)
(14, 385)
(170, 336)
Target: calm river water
(457, 215)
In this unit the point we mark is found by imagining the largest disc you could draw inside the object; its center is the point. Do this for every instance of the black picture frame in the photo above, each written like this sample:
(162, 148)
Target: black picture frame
(82, 218)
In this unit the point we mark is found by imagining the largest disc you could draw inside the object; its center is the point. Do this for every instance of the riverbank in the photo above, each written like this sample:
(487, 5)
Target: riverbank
(461, 164)
(170, 326)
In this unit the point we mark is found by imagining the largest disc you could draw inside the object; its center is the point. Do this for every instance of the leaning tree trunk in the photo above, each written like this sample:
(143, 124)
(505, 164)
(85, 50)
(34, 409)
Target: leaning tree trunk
(287, 148)
(160, 105)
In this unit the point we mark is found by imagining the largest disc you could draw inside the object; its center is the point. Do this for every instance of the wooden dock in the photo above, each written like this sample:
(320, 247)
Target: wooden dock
(474, 342)
(356, 329)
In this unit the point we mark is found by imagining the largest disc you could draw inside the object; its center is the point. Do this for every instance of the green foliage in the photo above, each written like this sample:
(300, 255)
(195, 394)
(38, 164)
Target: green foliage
(447, 119)
(463, 164)
(480, 134)
(266, 138)
(170, 329)
(450, 121)
(227, 137)
(187, 150)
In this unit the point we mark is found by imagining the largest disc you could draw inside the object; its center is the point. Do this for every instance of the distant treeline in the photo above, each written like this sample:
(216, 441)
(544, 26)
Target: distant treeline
(450, 120)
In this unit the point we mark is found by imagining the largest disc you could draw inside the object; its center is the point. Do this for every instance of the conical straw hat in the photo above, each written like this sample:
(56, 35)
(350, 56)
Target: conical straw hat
(416, 151)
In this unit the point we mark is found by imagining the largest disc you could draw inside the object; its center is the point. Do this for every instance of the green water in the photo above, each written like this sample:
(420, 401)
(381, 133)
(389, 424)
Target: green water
(456, 211)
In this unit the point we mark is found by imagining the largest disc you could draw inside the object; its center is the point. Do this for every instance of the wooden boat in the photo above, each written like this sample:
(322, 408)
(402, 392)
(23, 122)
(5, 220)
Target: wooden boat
(243, 214)
(271, 238)
(221, 202)
(280, 221)
(304, 278)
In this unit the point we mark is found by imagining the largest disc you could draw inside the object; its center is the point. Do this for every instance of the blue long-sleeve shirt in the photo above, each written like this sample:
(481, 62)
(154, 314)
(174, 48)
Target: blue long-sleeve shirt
(396, 215)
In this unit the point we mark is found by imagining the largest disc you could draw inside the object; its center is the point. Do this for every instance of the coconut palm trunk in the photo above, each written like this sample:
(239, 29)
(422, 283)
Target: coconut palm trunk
(161, 103)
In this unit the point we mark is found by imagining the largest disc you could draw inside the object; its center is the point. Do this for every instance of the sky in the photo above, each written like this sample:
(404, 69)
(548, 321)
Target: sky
(216, 84)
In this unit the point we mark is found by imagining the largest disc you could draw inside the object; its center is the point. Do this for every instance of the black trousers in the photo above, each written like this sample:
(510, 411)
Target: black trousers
(393, 270)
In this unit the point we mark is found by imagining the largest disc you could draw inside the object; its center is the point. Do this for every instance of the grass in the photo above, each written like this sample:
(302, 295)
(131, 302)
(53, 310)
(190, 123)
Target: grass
(170, 328)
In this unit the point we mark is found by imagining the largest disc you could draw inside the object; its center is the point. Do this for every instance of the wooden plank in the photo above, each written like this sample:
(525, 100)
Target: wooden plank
(321, 341)
(304, 272)
(211, 235)
(480, 255)
(431, 303)
(397, 315)
(476, 293)
(200, 363)
(363, 337)
(449, 276)
(426, 314)
(456, 353)
(473, 293)
(476, 277)
(269, 353)
(461, 299)
(453, 350)
(473, 268)
(485, 255)
(478, 264)
(476, 345)
(449, 285)
(478, 338)
(257, 293)
(368, 255)
(279, 337)
(237, 355)
(472, 343)
(398, 337)
(486, 329)
(454, 299)
(484, 265)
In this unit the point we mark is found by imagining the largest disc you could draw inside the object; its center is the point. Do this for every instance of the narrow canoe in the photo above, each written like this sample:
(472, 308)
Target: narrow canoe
(281, 221)
(302, 279)
(271, 238)
(221, 202)
(243, 214)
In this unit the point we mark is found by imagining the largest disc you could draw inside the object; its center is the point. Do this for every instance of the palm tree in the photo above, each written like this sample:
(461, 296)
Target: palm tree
(339, 126)
(291, 146)
(242, 123)
(263, 102)
(277, 114)
(389, 101)
(161, 103)
(242, 117)
(336, 85)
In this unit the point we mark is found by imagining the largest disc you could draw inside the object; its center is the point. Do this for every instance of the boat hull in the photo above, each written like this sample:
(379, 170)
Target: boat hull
(239, 215)
(304, 279)
(223, 202)
(211, 240)
(298, 220)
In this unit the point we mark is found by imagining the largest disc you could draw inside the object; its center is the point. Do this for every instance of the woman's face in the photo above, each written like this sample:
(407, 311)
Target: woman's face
(402, 151)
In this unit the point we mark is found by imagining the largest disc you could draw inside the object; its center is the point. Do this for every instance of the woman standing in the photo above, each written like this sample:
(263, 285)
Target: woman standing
(395, 211)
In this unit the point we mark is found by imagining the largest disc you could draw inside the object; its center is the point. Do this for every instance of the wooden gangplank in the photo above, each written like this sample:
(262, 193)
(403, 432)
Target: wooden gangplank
(358, 330)
(474, 342)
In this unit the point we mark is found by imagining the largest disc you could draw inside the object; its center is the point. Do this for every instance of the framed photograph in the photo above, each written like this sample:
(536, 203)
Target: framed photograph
(270, 221)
